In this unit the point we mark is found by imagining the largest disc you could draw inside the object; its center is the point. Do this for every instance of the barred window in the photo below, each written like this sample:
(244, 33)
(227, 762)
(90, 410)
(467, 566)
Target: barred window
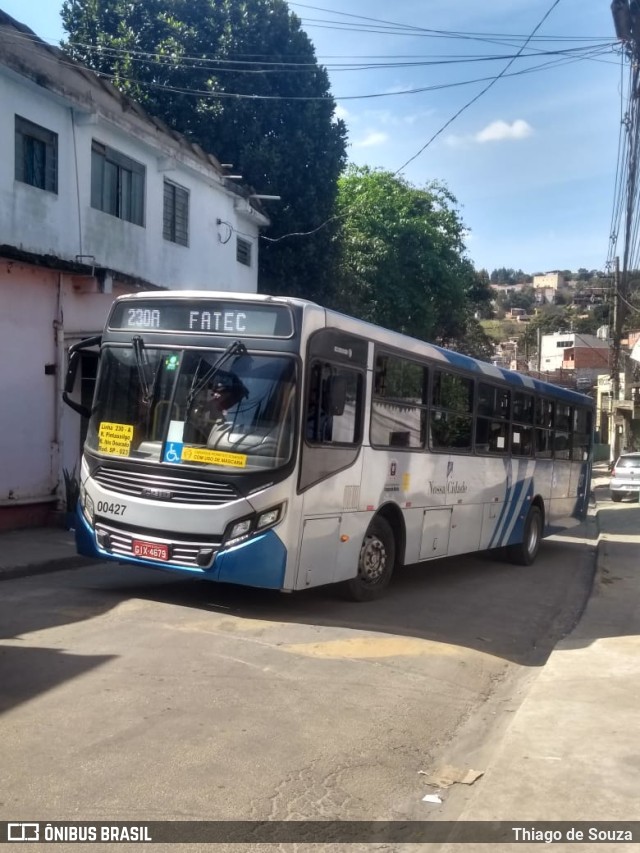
(175, 221)
(117, 184)
(36, 155)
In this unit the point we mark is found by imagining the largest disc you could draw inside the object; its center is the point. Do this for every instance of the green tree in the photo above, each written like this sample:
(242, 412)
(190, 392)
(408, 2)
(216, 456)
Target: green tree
(401, 258)
(551, 319)
(215, 71)
(590, 323)
(507, 275)
(503, 275)
(525, 298)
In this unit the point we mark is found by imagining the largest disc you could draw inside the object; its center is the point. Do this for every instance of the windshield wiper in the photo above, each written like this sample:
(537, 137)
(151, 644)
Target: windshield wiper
(142, 363)
(236, 348)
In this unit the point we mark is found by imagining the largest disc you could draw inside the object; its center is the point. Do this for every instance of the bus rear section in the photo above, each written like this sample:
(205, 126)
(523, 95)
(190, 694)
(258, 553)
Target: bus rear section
(449, 456)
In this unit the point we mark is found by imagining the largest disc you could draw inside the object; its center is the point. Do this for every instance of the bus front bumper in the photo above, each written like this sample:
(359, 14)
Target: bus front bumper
(258, 562)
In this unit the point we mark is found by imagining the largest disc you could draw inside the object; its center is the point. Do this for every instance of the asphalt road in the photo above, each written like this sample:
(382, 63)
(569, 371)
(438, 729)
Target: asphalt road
(127, 694)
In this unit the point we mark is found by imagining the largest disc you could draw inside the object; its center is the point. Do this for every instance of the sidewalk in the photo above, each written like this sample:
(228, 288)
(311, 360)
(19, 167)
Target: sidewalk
(37, 550)
(570, 753)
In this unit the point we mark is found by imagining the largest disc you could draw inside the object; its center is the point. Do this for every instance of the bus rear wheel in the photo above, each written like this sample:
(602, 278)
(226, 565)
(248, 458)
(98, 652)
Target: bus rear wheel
(524, 553)
(375, 563)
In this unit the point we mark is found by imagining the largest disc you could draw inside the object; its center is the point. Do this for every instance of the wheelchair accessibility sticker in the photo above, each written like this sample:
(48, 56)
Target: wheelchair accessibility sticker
(173, 451)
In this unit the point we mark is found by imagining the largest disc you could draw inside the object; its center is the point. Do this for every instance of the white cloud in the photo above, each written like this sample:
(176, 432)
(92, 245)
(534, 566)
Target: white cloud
(341, 112)
(499, 130)
(371, 139)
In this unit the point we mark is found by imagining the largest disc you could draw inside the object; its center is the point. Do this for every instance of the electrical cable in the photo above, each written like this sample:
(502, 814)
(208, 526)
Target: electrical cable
(480, 94)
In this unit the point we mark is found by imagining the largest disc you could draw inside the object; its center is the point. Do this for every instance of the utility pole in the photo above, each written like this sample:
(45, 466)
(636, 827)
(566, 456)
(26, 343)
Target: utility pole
(616, 339)
(626, 18)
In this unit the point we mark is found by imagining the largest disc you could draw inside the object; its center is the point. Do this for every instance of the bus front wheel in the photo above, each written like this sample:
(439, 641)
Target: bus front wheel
(375, 563)
(524, 553)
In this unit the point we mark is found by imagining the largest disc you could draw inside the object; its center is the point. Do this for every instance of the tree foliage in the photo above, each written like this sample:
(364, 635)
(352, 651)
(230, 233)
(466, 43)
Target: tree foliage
(401, 259)
(597, 317)
(212, 70)
(550, 319)
(507, 275)
(525, 298)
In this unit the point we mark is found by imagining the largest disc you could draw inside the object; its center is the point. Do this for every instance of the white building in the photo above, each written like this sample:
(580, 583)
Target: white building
(97, 198)
(573, 351)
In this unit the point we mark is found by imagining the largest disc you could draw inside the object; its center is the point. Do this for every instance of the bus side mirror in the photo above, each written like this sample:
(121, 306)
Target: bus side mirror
(72, 372)
(336, 395)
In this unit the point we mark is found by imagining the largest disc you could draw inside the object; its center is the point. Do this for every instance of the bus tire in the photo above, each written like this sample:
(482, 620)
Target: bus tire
(524, 553)
(375, 563)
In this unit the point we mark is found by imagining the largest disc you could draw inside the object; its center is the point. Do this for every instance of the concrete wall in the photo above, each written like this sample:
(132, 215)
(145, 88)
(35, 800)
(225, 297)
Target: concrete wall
(28, 456)
(40, 435)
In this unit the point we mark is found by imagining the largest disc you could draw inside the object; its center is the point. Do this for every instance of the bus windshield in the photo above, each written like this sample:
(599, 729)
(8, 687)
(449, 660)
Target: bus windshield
(194, 407)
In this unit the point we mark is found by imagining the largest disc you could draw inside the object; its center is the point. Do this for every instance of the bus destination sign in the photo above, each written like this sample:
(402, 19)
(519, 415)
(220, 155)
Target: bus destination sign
(239, 319)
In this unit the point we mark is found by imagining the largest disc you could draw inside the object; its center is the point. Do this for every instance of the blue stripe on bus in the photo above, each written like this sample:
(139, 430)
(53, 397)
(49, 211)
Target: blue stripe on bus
(514, 529)
(513, 507)
(493, 371)
(507, 498)
(519, 489)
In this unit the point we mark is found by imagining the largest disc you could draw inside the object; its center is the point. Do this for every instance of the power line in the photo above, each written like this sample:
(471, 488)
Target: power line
(268, 65)
(480, 94)
(119, 79)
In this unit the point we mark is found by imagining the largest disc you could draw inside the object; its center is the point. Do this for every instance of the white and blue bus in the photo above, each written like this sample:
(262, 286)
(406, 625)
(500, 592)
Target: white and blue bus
(270, 442)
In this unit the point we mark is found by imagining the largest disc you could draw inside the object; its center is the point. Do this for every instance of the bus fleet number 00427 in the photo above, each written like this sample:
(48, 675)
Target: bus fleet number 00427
(111, 508)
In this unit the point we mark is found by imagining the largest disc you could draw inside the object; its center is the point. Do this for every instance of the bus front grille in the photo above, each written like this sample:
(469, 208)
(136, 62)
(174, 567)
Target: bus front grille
(120, 543)
(172, 489)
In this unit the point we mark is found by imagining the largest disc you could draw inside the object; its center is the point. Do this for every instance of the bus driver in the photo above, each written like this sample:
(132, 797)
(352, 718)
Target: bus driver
(211, 415)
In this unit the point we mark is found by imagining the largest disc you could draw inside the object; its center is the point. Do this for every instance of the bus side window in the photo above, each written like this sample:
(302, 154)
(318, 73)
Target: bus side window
(522, 430)
(581, 434)
(562, 437)
(451, 421)
(317, 420)
(492, 422)
(333, 414)
(545, 412)
(399, 407)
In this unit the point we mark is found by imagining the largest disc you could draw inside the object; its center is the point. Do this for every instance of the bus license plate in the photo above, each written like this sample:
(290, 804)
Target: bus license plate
(150, 549)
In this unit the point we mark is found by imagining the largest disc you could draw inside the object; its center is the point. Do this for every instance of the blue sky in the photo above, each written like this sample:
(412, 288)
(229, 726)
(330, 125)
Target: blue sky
(532, 162)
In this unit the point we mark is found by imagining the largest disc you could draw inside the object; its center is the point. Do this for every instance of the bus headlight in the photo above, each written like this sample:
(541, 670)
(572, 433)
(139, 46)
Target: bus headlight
(239, 531)
(269, 518)
(87, 505)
